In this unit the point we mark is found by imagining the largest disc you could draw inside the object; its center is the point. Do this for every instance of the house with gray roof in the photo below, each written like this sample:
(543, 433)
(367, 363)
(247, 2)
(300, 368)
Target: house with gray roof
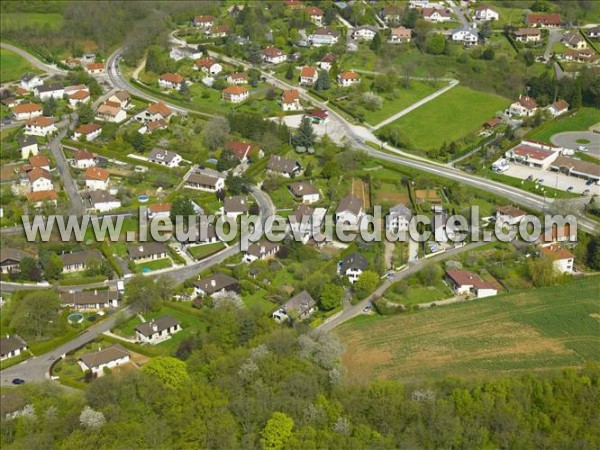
(261, 250)
(283, 166)
(157, 330)
(76, 261)
(11, 346)
(92, 300)
(147, 251)
(10, 259)
(399, 218)
(300, 307)
(217, 282)
(108, 358)
(352, 266)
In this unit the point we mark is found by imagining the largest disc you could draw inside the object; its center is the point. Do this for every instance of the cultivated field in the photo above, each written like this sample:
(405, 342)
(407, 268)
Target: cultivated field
(360, 189)
(543, 329)
(12, 66)
(450, 117)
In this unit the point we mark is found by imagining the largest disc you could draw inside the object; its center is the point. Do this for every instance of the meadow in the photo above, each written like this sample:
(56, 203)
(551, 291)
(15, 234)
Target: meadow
(452, 116)
(11, 21)
(580, 121)
(533, 330)
(13, 66)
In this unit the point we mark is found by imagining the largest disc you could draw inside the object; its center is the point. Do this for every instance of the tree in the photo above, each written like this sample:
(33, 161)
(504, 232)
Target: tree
(85, 113)
(289, 73)
(142, 293)
(36, 314)
(216, 132)
(488, 54)
(182, 207)
(305, 136)
(277, 432)
(237, 185)
(331, 296)
(172, 372)
(366, 283)
(227, 160)
(49, 107)
(29, 269)
(541, 271)
(53, 267)
(376, 43)
(91, 419)
(323, 82)
(436, 44)
(184, 89)
(486, 30)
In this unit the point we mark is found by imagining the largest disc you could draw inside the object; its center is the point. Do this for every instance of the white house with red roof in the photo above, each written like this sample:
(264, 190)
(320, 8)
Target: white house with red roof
(95, 68)
(235, 94)
(327, 61)
(39, 180)
(203, 21)
(525, 107)
(315, 14)
(273, 55)
(40, 126)
(96, 179)
(562, 259)
(170, 81)
(399, 35)
(534, 154)
(465, 282)
(510, 215)
(208, 65)
(26, 111)
(238, 78)
(436, 15)
(89, 132)
(82, 159)
(308, 75)
(346, 79)
(110, 111)
(290, 100)
(557, 108)
(153, 112)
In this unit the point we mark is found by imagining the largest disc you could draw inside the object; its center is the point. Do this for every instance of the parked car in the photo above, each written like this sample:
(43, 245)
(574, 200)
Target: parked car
(570, 189)
(367, 308)
(18, 381)
(582, 148)
(586, 192)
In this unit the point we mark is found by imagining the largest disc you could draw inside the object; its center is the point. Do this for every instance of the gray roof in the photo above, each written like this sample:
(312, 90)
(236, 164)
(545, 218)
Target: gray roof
(84, 257)
(202, 179)
(105, 356)
(11, 343)
(262, 247)
(100, 196)
(301, 303)
(216, 282)
(303, 211)
(326, 32)
(282, 164)
(354, 261)
(400, 210)
(162, 155)
(157, 325)
(303, 188)
(50, 87)
(26, 140)
(10, 254)
(236, 204)
(93, 297)
(146, 249)
(366, 27)
(28, 77)
(351, 204)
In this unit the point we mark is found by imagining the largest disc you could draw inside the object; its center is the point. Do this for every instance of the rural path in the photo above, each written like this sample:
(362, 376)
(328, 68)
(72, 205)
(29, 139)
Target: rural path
(357, 309)
(554, 36)
(49, 69)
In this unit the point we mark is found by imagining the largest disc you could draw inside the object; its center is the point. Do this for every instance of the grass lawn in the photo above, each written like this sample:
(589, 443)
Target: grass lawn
(202, 251)
(155, 265)
(580, 121)
(420, 294)
(34, 20)
(540, 329)
(451, 116)
(13, 66)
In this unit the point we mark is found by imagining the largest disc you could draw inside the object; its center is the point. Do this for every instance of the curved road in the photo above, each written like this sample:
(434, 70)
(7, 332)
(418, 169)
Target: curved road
(569, 139)
(50, 69)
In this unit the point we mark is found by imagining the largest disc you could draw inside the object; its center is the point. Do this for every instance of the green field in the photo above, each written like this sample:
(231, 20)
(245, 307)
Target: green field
(33, 20)
(13, 66)
(450, 117)
(157, 264)
(202, 251)
(580, 121)
(543, 329)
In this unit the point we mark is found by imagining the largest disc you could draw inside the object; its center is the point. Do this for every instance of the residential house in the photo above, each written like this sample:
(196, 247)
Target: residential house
(466, 36)
(122, 98)
(186, 52)
(543, 20)
(216, 283)
(9, 102)
(318, 116)
(398, 219)
(242, 150)
(557, 108)
(78, 261)
(315, 15)
(593, 32)
(164, 158)
(324, 36)
(157, 330)
(562, 259)
(10, 260)
(235, 94)
(418, 4)
(40, 126)
(390, 14)
(147, 251)
(290, 100)
(96, 179)
(364, 33)
(159, 211)
(111, 112)
(153, 112)
(30, 81)
(203, 21)
(524, 107)
(300, 307)
(352, 266)
(40, 180)
(349, 78)
(351, 45)
(586, 55)
(89, 132)
(78, 98)
(39, 162)
(533, 154)
(28, 146)
(576, 167)
(492, 123)
(260, 250)
(273, 55)
(400, 35)
(11, 347)
(463, 282)
(40, 198)
(82, 159)
(235, 206)
(151, 127)
(349, 211)
(27, 111)
(109, 358)
(95, 68)
(308, 75)
(306, 221)
(238, 78)
(306, 191)
(49, 90)
(170, 81)
(101, 201)
(90, 300)
(218, 31)
(283, 166)
(436, 15)
(510, 214)
(208, 65)
(327, 61)
(574, 40)
(527, 35)
(205, 180)
(485, 13)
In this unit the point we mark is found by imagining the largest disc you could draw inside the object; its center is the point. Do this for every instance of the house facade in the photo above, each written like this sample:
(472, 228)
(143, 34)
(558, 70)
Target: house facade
(96, 178)
(352, 266)
(235, 94)
(11, 346)
(108, 358)
(157, 330)
(260, 251)
(40, 126)
(147, 251)
(89, 132)
(165, 158)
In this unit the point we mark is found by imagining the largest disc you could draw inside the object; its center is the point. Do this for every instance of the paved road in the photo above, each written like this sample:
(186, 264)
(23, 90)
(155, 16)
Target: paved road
(49, 69)
(357, 309)
(554, 36)
(569, 140)
(459, 13)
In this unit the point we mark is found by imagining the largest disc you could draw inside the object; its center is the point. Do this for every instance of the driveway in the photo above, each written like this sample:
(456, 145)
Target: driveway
(569, 140)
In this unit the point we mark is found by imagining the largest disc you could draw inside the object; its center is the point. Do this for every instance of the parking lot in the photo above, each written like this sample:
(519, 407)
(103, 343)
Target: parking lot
(551, 179)
(335, 132)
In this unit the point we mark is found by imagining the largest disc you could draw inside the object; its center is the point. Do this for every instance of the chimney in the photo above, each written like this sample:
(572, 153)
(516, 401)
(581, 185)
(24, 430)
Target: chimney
(95, 291)
(213, 283)
(262, 249)
(154, 326)
(141, 248)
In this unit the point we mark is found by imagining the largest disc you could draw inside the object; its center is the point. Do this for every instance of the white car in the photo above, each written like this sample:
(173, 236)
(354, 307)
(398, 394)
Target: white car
(582, 148)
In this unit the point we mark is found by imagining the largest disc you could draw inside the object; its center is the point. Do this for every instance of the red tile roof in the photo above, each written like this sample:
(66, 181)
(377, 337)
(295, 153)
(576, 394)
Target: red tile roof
(79, 95)
(557, 252)
(27, 108)
(42, 122)
(41, 196)
(314, 11)
(467, 278)
(95, 66)
(290, 96)
(95, 173)
(239, 149)
(82, 154)
(308, 72)
(37, 173)
(160, 207)
(205, 63)
(510, 211)
(172, 77)
(272, 52)
(349, 76)
(160, 108)
(39, 161)
(235, 90)
(88, 128)
(543, 19)
(532, 152)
